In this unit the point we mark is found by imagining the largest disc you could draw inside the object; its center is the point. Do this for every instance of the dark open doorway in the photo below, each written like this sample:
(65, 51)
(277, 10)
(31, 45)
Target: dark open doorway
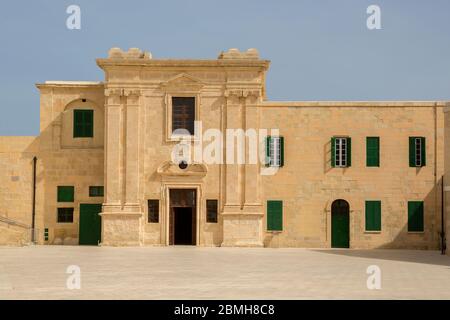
(183, 226)
(182, 220)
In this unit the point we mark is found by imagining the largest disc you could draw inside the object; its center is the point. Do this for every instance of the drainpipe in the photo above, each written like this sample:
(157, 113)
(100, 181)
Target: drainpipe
(443, 244)
(33, 215)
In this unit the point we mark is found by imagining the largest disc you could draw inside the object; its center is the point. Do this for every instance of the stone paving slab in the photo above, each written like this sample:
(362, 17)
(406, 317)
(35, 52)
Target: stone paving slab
(39, 272)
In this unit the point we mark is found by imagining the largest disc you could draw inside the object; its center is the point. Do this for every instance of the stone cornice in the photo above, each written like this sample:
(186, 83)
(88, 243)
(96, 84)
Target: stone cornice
(167, 63)
(357, 104)
(70, 84)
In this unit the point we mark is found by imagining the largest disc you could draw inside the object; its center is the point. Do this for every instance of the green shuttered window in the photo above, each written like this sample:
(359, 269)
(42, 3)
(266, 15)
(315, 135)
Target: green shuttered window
(373, 215)
(66, 193)
(274, 151)
(274, 215)
(373, 151)
(83, 123)
(341, 152)
(417, 152)
(415, 216)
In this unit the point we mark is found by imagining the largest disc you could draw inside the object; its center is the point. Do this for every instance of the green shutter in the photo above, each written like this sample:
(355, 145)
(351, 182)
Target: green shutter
(333, 152)
(77, 123)
(89, 123)
(274, 215)
(281, 151)
(268, 151)
(373, 151)
(415, 216)
(423, 152)
(412, 152)
(66, 193)
(373, 215)
(83, 123)
(349, 152)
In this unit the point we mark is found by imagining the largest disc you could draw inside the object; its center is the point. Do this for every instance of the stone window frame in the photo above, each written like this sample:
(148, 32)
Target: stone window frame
(168, 107)
(339, 154)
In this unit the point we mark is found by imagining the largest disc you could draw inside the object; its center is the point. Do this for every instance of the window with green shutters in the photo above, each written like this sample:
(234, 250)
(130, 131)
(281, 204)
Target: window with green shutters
(415, 216)
(417, 152)
(373, 215)
(373, 151)
(66, 193)
(83, 123)
(341, 152)
(274, 151)
(274, 215)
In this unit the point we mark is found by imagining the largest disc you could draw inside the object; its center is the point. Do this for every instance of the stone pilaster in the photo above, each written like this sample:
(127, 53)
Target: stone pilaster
(242, 216)
(121, 214)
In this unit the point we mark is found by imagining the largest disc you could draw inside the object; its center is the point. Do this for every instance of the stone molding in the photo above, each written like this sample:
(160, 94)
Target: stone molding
(169, 168)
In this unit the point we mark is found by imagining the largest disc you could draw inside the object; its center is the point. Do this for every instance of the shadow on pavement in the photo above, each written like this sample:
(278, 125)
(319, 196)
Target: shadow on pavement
(415, 256)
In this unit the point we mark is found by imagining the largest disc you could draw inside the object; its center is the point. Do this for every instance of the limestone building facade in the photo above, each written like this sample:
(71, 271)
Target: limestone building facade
(310, 173)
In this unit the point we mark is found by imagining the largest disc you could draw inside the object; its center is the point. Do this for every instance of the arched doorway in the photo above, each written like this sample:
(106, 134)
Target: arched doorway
(340, 224)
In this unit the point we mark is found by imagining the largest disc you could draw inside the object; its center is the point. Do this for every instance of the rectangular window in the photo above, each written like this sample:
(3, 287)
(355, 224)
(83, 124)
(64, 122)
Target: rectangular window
(373, 215)
(417, 152)
(66, 193)
(274, 151)
(274, 215)
(83, 123)
(211, 211)
(373, 151)
(415, 216)
(65, 215)
(96, 191)
(153, 211)
(183, 115)
(341, 152)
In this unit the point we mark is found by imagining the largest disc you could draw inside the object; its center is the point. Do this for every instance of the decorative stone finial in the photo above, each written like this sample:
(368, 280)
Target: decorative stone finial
(132, 53)
(234, 53)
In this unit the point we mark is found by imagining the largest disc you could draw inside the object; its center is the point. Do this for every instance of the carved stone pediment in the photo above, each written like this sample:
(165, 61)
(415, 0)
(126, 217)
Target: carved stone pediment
(170, 169)
(183, 82)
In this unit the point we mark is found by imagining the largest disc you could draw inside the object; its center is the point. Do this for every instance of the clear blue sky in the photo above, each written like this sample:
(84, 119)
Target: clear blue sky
(320, 49)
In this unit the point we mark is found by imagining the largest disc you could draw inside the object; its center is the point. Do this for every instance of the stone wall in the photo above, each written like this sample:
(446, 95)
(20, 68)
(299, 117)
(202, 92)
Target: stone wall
(308, 184)
(16, 186)
(68, 161)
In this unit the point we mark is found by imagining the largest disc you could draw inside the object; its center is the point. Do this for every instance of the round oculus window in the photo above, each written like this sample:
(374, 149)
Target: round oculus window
(183, 165)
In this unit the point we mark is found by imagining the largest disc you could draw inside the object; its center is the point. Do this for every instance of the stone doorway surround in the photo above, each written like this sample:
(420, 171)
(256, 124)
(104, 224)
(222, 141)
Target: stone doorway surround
(172, 177)
(165, 196)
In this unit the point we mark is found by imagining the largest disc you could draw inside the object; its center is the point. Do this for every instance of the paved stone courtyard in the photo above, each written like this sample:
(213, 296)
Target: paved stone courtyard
(39, 272)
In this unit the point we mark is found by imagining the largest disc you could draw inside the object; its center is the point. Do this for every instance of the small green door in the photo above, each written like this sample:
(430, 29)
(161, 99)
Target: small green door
(340, 230)
(90, 224)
